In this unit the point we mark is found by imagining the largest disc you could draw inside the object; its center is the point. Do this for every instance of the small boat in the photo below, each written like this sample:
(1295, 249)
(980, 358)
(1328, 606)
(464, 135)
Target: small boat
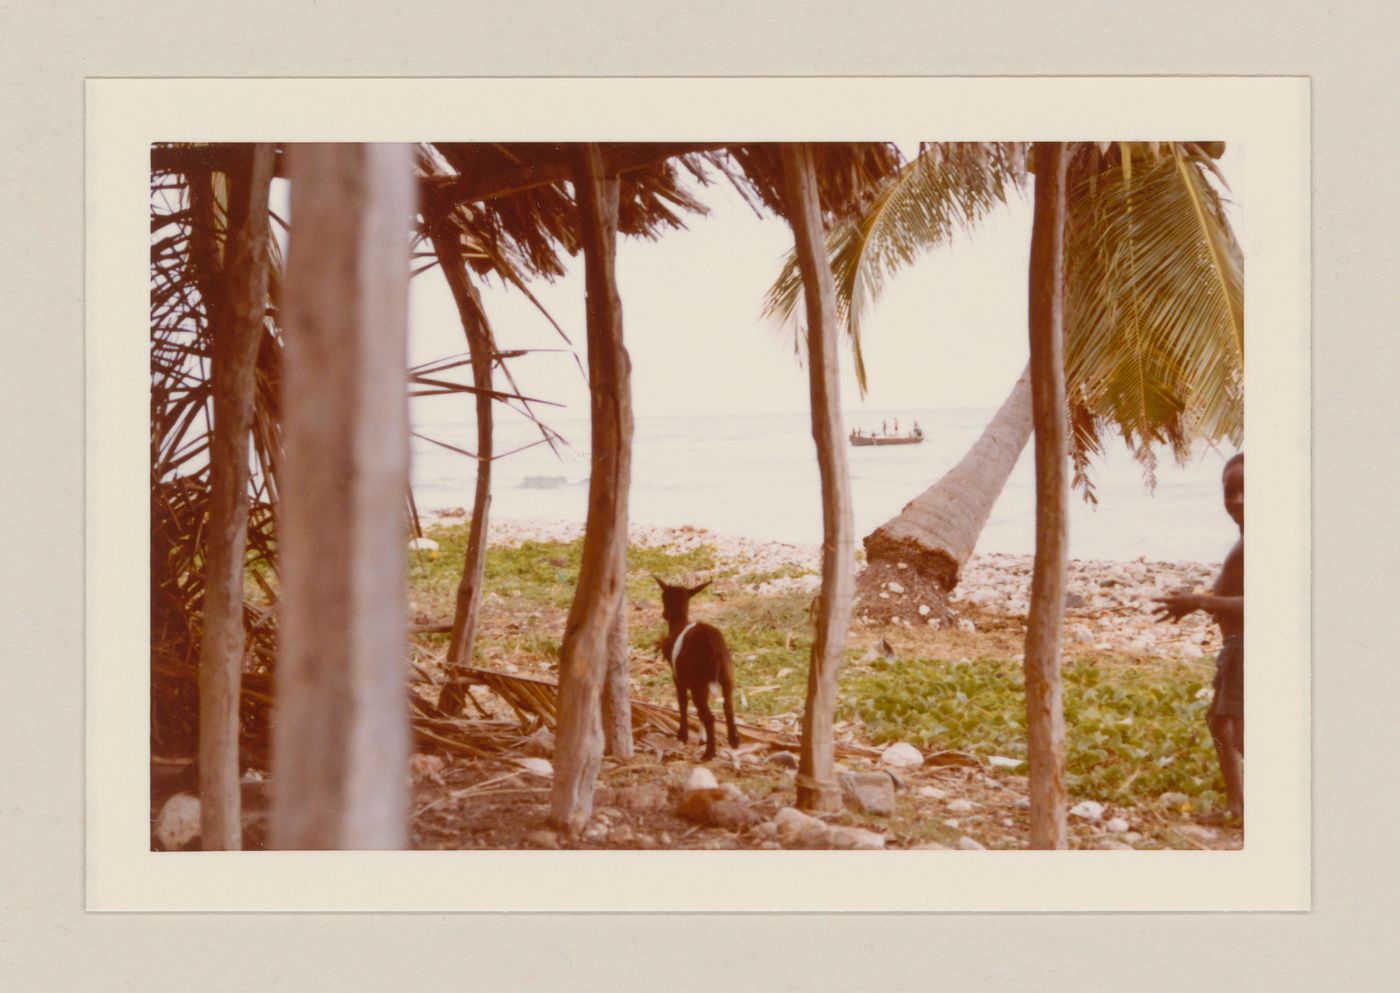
(862, 440)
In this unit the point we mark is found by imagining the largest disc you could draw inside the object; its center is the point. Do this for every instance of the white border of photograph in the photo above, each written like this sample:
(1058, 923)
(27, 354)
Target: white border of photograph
(1266, 119)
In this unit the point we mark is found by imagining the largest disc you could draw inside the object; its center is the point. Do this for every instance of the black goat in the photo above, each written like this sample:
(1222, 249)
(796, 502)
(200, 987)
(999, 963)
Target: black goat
(699, 659)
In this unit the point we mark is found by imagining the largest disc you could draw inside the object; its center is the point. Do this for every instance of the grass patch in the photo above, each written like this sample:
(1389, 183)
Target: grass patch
(760, 577)
(1131, 730)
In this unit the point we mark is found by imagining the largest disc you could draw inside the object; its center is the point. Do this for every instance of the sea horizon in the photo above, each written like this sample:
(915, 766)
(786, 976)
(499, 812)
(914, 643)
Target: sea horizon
(755, 476)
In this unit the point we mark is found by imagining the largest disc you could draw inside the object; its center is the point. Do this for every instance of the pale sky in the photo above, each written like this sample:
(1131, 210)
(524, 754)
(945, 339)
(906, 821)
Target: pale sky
(948, 332)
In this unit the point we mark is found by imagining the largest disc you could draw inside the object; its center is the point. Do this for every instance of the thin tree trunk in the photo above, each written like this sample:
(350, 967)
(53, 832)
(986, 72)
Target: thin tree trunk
(583, 658)
(1044, 625)
(816, 785)
(340, 737)
(617, 689)
(937, 531)
(481, 346)
(233, 370)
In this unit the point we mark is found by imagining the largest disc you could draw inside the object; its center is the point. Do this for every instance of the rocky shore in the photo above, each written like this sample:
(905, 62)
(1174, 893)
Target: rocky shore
(1110, 603)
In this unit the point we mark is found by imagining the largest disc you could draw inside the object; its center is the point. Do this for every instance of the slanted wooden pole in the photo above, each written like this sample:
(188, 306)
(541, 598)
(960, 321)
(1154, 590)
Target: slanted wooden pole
(340, 738)
(482, 349)
(238, 331)
(1045, 720)
(583, 657)
(816, 784)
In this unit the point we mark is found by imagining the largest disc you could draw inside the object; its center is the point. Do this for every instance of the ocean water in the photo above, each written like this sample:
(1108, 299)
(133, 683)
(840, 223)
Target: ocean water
(756, 476)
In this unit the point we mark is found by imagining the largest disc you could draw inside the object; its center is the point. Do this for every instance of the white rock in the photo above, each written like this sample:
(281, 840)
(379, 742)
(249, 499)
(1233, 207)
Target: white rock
(1117, 825)
(902, 755)
(177, 824)
(901, 565)
(700, 778)
(873, 792)
(932, 791)
(423, 545)
(1006, 762)
(1113, 844)
(966, 625)
(895, 587)
(854, 837)
(796, 828)
(1089, 810)
(786, 760)
(537, 766)
(967, 844)
(930, 846)
(960, 806)
(732, 791)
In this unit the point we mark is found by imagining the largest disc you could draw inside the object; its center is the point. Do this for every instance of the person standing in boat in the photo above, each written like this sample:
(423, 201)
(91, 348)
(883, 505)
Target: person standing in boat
(896, 425)
(884, 427)
(918, 431)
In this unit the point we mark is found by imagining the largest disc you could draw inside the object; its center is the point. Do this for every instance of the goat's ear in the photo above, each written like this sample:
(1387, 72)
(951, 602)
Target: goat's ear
(697, 589)
(658, 581)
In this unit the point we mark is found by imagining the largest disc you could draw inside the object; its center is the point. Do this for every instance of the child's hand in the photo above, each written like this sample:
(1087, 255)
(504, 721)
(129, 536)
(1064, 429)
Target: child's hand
(1176, 606)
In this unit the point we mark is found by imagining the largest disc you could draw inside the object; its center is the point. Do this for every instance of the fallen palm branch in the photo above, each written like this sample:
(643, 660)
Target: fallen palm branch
(531, 699)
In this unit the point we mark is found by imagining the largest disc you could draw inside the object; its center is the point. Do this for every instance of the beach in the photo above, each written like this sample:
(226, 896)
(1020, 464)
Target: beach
(1110, 602)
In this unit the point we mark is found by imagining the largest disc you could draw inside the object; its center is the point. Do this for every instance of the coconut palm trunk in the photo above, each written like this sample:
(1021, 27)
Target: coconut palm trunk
(583, 657)
(233, 371)
(937, 531)
(340, 731)
(481, 347)
(1044, 709)
(816, 785)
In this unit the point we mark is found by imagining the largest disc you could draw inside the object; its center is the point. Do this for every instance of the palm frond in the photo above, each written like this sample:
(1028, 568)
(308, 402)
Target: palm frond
(946, 189)
(1154, 313)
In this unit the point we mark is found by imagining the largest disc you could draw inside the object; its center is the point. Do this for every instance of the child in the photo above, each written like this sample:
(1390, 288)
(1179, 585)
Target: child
(1225, 603)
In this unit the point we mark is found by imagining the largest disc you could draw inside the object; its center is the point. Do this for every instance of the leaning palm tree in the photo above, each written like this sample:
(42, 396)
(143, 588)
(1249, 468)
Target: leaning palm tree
(1153, 315)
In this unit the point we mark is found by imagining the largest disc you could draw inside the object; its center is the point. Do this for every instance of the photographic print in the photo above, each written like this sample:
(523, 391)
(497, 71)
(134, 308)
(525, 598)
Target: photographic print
(833, 495)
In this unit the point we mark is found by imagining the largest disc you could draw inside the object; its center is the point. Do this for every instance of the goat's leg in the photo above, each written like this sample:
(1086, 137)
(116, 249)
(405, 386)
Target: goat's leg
(727, 688)
(685, 716)
(707, 718)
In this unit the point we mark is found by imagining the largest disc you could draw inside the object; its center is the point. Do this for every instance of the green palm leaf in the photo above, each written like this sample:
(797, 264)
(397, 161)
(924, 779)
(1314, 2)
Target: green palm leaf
(947, 188)
(1154, 318)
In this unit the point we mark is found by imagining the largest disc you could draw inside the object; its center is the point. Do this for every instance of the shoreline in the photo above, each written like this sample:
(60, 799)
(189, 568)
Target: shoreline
(1109, 609)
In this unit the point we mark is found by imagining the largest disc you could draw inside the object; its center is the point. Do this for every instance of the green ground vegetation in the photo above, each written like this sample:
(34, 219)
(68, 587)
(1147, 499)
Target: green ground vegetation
(1135, 727)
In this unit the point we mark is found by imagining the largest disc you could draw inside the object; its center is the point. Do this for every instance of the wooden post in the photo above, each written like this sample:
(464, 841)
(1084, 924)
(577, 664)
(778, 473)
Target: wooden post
(1044, 708)
(340, 740)
(583, 658)
(481, 347)
(617, 690)
(238, 331)
(816, 785)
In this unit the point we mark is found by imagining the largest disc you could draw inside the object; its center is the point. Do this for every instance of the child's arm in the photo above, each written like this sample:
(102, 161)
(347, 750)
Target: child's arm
(1178, 605)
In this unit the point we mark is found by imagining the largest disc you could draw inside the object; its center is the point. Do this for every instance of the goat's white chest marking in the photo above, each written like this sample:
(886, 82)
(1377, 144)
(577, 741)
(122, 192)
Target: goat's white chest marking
(676, 648)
